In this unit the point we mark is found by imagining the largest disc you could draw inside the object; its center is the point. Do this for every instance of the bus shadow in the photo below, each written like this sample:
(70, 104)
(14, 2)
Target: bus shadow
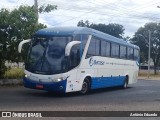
(49, 94)
(104, 90)
(74, 94)
(92, 92)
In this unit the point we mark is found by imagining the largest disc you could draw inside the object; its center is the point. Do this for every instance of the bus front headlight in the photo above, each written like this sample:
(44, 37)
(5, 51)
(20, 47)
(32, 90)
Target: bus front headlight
(59, 79)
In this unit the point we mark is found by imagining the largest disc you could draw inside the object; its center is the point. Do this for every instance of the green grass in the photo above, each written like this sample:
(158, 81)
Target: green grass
(14, 73)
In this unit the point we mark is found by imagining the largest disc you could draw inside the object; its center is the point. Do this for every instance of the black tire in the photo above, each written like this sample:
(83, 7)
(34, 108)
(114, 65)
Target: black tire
(85, 86)
(125, 84)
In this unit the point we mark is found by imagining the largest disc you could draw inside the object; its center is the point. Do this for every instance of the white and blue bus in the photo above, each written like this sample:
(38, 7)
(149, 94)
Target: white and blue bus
(69, 59)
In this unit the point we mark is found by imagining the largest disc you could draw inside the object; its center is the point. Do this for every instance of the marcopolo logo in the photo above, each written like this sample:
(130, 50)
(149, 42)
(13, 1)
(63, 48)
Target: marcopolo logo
(95, 62)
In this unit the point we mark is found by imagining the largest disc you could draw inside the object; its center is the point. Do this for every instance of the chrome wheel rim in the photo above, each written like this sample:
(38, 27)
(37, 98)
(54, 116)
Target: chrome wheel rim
(84, 87)
(125, 84)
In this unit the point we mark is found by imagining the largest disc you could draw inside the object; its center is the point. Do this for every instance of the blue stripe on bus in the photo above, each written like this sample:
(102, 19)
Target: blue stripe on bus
(102, 82)
(48, 86)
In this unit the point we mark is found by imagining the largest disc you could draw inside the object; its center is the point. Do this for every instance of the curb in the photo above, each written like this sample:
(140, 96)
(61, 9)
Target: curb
(10, 82)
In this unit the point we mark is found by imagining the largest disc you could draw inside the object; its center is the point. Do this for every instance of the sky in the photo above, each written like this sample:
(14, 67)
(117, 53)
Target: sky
(132, 14)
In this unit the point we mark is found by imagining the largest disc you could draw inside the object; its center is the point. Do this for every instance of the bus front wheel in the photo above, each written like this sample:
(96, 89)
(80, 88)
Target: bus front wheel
(85, 86)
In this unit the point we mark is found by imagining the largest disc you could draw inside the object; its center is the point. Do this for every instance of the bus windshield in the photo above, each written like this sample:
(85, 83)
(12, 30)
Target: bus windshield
(47, 55)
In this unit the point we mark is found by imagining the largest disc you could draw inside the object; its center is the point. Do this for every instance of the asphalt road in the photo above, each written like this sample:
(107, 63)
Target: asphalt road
(142, 96)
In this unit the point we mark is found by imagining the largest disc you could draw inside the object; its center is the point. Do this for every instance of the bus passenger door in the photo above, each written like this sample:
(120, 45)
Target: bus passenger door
(73, 62)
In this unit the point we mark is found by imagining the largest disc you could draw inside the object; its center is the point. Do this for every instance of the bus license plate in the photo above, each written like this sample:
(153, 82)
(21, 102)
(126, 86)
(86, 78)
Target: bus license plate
(39, 86)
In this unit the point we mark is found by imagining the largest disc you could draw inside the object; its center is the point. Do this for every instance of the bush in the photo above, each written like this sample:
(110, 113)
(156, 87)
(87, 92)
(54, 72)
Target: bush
(2, 68)
(14, 73)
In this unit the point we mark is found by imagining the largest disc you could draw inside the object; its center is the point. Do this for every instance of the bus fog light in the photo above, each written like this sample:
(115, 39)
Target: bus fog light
(60, 87)
(26, 76)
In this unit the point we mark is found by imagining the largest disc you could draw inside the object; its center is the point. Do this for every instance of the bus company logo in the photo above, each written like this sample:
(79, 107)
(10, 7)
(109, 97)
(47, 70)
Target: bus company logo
(95, 62)
(91, 61)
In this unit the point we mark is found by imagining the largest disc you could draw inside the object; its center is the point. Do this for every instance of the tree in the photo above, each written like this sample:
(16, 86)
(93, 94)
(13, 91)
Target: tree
(83, 24)
(141, 39)
(3, 35)
(127, 38)
(112, 29)
(16, 26)
(47, 8)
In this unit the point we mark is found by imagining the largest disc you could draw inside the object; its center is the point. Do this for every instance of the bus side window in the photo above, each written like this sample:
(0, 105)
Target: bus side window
(115, 50)
(136, 54)
(94, 48)
(97, 47)
(123, 51)
(105, 48)
(108, 49)
(130, 53)
(83, 38)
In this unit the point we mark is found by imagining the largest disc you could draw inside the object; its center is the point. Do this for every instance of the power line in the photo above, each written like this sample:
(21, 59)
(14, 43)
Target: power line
(131, 8)
(73, 18)
(115, 15)
(119, 14)
(114, 10)
(136, 8)
(130, 15)
(128, 10)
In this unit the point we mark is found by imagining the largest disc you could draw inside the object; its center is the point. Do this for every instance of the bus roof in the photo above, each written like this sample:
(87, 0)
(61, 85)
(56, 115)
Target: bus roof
(67, 31)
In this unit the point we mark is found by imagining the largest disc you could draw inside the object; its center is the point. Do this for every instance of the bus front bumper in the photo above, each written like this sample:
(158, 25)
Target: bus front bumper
(48, 86)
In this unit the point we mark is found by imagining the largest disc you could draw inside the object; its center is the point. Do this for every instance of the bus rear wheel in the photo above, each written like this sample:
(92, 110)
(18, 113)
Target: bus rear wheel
(125, 84)
(85, 86)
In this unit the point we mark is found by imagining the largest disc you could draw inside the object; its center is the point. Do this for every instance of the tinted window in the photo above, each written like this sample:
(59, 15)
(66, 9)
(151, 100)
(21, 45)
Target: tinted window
(105, 48)
(38, 48)
(136, 54)
(108, 48)
(55, 54)
(83, 38)
(123, 51)
(47, 55)
(97, 47)
(115, 50)
(130, 53)
(94, 48)
(74, 56)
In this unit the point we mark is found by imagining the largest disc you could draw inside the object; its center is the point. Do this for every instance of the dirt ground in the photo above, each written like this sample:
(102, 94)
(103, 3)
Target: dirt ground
(143, 74)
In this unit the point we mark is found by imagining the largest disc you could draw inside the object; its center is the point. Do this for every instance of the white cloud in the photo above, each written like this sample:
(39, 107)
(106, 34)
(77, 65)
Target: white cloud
(132, 14)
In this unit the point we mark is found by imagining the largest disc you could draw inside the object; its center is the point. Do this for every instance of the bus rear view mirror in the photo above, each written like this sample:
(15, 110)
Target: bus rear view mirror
(21, 44)
(69, 46)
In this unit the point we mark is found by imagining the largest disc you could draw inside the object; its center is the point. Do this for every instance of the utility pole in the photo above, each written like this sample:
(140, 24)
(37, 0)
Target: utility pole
(149, 49)
(149, 52)
(36, 8)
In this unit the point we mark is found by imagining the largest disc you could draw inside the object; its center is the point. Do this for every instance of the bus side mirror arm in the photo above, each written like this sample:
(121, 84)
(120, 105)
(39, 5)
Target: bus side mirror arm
(21, 44)
(69, 46)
